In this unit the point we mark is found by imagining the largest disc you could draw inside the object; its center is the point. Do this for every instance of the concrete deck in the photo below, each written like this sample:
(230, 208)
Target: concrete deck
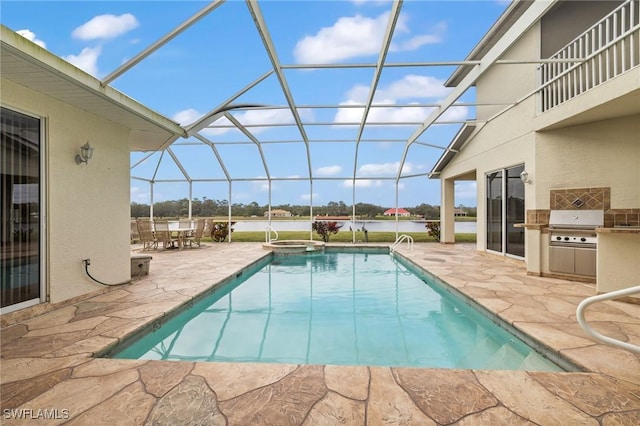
(48, 368)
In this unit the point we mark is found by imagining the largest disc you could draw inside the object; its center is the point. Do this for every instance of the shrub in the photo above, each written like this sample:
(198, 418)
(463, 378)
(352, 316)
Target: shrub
(220, 231)
(433, 229)
(325, 229)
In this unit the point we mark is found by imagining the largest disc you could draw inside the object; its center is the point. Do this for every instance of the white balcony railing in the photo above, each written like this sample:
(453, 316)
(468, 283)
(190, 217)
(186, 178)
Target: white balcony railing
(606, 50)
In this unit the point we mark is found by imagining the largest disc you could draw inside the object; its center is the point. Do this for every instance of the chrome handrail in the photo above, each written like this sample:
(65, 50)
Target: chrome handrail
(399, 240)
(267, 234)
(598, 298)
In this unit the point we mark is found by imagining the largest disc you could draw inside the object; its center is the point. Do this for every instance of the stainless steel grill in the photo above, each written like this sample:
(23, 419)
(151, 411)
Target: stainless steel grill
(575, 227)
(573, 241)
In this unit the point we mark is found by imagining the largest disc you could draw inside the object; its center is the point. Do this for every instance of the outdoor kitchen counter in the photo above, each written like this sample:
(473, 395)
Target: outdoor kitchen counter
(619, 230)
(617, 260)
(538, 226)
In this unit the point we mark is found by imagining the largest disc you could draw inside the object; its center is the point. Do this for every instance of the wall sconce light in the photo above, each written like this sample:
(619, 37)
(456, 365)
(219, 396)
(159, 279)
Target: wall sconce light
(86, 152)
(524, 177)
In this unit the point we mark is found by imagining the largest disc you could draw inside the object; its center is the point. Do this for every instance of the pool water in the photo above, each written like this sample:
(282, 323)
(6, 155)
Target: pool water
(337, 308)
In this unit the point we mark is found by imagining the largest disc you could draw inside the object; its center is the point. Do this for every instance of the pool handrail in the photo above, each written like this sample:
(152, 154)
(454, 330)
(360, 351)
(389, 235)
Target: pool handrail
(267, 234)
(582, 307)
(399, 241)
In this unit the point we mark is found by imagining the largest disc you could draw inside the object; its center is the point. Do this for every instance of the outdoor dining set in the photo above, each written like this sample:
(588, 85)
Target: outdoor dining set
(175, 234)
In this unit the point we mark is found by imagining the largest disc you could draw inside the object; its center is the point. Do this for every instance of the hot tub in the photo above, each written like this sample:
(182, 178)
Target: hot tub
(294, 246)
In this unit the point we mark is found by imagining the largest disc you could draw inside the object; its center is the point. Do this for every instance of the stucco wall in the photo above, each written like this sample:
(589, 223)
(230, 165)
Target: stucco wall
(600, 154)
(505, 82)
(618, 265)
(88, 205)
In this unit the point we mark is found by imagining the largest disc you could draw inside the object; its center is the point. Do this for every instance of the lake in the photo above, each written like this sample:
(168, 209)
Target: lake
(371, 225)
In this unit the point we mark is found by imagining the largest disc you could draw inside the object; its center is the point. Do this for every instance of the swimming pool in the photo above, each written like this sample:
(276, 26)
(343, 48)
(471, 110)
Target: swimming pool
(336, 308)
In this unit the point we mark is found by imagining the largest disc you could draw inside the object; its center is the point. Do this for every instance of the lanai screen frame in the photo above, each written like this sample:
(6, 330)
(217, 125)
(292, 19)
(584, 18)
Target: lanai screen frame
(226, 108)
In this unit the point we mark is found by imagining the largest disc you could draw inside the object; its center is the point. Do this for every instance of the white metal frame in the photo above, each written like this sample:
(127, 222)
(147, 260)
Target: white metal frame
(582, 307)
(227, 108)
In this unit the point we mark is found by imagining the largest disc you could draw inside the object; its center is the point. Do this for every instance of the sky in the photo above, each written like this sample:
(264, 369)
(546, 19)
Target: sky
(223, 56)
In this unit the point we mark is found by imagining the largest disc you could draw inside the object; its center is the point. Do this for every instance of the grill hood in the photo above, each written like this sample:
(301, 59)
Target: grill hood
(585, 219)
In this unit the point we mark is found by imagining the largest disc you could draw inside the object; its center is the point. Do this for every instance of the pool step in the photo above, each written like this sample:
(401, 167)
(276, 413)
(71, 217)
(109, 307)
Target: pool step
(505, 358)
(484, 346)
(535, 362)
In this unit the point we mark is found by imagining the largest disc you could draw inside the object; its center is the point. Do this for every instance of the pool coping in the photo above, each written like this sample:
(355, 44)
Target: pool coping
(50, 349)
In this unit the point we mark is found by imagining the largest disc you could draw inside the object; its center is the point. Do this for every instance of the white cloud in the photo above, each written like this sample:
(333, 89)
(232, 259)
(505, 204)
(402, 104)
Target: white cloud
(105, 27)
(349, 37)
(414, 86)
(186, 116)
(250, 117)
(384, 169)
(86, 60)
(362, 183)
(418, 41)
(328, 170)
(358, 36)
(409, 87)
(385, 114)
(262, 185)
(139, 195)
(457, 113)
(30, 35)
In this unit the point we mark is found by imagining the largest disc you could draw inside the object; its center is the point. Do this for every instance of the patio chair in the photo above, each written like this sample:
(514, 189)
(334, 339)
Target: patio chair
(164, 234)
(135, 236)
(146, 234)
(185, 223)
(197, 234)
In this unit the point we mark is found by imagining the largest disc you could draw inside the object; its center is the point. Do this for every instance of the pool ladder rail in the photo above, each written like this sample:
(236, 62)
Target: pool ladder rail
(582, 307)
(267, 234)
(399, 240)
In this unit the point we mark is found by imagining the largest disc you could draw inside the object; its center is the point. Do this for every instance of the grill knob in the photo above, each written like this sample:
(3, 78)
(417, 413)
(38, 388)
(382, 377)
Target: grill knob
(566, 238)
(558, 238)
(583, 239)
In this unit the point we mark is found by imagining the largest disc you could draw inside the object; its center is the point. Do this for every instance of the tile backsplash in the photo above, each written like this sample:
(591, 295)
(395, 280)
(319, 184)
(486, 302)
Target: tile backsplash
(580, 199)
(585, 199)
(621, 217)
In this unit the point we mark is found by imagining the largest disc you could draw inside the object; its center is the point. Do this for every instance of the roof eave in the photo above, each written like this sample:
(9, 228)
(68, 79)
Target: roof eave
(42, 59)
(454, 147)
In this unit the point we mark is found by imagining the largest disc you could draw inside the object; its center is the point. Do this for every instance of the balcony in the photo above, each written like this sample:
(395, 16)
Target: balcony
(607, 50)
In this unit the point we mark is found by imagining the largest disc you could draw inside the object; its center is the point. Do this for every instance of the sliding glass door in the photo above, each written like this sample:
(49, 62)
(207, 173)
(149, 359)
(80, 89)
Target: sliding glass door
(20, 207)
(494, 211)
(505, 208)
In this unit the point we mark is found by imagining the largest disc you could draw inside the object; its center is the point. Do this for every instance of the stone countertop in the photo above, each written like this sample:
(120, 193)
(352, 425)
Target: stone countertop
(540, 226)
(619, 230)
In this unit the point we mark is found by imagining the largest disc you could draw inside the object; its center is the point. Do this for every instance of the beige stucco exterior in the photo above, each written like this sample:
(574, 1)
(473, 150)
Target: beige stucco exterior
(600, 154)
(618, 265)
(87, 206)
(590, 141)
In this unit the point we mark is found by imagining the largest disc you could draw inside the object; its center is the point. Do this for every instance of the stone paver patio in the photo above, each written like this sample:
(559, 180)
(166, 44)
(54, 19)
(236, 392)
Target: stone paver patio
(49, 369)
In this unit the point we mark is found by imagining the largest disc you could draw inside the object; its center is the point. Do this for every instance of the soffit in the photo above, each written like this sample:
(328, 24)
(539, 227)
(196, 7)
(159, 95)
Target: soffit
(31, 66)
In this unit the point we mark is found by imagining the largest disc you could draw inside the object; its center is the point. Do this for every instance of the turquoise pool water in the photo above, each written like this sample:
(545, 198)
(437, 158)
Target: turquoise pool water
(336, 308)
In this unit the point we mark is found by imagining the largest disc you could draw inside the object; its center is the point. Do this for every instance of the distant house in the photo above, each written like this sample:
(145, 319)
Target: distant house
(401, 212)
(279, 213)
(459, 213)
